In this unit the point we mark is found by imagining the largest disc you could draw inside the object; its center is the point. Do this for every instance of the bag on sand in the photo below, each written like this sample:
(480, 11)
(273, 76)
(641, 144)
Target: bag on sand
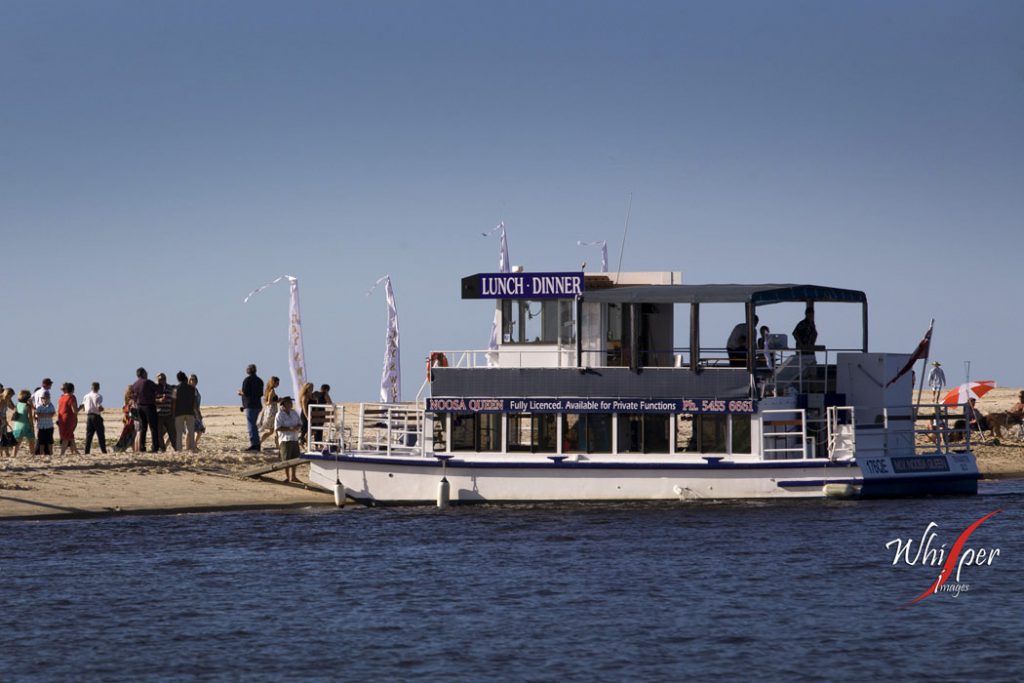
(7, 439)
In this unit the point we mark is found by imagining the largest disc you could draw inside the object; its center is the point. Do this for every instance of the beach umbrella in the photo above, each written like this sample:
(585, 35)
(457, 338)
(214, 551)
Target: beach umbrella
(967, 391)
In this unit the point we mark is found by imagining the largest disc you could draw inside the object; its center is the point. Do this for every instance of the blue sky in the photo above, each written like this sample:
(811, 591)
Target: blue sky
(158, 160)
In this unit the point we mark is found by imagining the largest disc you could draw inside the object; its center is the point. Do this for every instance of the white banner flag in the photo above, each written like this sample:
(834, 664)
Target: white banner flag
(503, 267)
(296, 351)
(391, 376)
(604, 251)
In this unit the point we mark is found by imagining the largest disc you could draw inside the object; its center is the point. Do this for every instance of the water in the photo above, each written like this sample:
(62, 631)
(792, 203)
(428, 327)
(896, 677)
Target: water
(801, 591)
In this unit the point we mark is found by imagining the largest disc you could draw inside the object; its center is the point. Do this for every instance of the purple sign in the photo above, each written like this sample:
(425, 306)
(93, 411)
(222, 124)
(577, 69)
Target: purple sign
(522, 286)
(702, 406)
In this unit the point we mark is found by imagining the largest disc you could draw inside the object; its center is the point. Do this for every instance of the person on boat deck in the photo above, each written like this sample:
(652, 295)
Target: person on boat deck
(737, 345)
(764, 357)
(805, 334)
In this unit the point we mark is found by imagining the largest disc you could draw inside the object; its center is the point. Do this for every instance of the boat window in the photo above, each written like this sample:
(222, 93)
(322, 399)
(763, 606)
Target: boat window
(533, 433)
(740, 433)
(703, 433)
(538, 322)
(587, 433)
(643, 433)
(480, 432)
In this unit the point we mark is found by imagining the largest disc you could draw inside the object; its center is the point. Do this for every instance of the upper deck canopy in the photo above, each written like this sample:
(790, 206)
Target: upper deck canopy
(723, 294)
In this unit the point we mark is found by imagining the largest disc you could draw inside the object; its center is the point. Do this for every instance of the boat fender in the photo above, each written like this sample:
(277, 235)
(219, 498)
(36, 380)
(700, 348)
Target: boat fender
(443, 493)
(838, 491)
(339, 494)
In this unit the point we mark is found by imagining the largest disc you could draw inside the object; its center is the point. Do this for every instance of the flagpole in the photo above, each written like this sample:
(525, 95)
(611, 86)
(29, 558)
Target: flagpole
(927, 354)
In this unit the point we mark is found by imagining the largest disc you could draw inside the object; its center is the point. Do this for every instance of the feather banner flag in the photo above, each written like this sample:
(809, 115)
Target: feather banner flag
(503, 267)
(296, 352)
(604, 251)
(391, 376)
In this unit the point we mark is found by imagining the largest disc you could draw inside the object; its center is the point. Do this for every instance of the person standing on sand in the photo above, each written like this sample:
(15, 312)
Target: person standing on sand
(286, 425)
(44, 422)
(305, 400)
(6, 438)
(144, 395)
(193, 380)
(37, 395)
(252, 401)
(185, 412)
(67, 418)
(318, 416)
(269, 412)
(24, 422)
(92, 404)
(936, 380)
(165, 413)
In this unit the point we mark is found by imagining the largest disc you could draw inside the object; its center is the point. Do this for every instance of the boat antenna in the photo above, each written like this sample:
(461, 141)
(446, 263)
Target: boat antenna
(618, 270)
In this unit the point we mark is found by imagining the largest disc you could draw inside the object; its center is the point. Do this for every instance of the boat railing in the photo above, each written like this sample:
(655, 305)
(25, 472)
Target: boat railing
(842, 432)
(385, 428)
(897, 431)
(784, 434)
(943, 432)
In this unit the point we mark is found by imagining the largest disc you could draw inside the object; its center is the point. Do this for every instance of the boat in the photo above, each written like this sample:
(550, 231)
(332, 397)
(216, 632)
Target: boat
(603, 387)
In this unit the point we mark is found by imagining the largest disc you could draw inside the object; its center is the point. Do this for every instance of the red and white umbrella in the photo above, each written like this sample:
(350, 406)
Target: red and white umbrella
(967, 391)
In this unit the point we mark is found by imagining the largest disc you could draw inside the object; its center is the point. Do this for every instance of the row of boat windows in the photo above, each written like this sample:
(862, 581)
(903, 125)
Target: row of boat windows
(592, 433)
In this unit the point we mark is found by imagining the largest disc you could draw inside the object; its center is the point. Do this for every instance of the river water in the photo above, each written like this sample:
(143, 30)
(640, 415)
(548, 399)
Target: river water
(799, 590)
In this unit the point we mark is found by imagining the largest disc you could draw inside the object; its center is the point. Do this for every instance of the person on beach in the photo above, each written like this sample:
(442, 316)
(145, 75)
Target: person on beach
(67, 418)
(185, 412)
(200, 427)
(165, 414)
(92, 404)
(973, 416)
(318, 416)
(6, 435)
(45, 412)
(144, 396)
(44, 388)
(129, 437)
(305, 400)
(252, 401)
(269, 412)
(936, 380)
(287, 424)
(24, 422)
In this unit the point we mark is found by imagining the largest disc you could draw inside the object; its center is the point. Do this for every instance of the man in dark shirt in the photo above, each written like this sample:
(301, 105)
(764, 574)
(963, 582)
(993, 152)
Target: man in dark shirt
(252, 401)
(165, 412)
(185, 412)
(805, 334)
(144, 395)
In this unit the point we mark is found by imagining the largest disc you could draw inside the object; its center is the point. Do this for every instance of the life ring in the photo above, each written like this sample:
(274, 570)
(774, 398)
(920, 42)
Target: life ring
(437, 360)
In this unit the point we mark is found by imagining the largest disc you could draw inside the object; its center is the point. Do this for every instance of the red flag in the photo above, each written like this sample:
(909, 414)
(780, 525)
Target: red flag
(920, 352)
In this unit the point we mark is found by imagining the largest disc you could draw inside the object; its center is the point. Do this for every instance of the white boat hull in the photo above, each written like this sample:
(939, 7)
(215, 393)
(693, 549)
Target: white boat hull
(390, 480)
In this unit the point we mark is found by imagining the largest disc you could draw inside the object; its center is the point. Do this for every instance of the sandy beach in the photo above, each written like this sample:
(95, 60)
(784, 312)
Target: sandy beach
(141, 483)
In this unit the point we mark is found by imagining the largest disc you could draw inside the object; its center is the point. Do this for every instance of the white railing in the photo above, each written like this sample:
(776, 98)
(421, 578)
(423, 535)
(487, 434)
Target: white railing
(842, 434)
(391, 428)
(794, 444)
(385, 428)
